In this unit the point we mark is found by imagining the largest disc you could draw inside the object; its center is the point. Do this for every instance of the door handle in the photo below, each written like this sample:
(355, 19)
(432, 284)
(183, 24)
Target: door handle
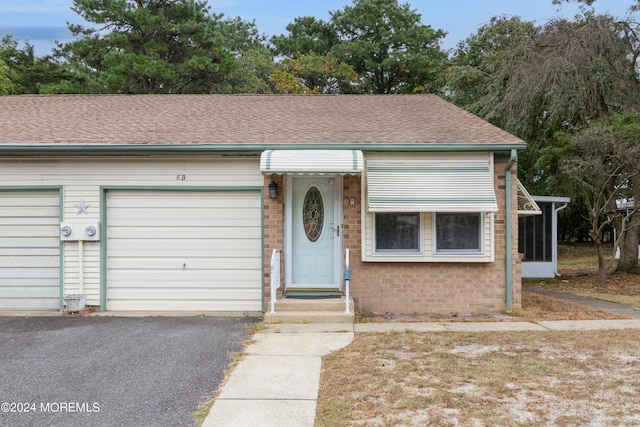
(338, 231)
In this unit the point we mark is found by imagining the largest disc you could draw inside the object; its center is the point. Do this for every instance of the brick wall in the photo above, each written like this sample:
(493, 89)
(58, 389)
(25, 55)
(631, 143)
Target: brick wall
(273, 232)
(403, 287)
(431, 287)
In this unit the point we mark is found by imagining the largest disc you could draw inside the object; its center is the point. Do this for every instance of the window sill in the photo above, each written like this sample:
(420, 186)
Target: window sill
(460, 258)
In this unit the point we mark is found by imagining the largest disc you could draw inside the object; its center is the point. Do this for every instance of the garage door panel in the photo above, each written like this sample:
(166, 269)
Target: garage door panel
(192, 253)
(186, 266)
(137, 206)
(9, 253)
(183, 232)
(33, 302)
(9, 273)
(183, 293)
(25, 233)
(190, 250)
(14, 219)
(186, 305)
(29, 292)
(200, 213)
(29, 249)
(194, 248)
(247, 275)
(177, 221)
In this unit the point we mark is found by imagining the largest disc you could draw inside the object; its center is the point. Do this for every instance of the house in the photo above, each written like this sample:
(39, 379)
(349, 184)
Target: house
(176, 202)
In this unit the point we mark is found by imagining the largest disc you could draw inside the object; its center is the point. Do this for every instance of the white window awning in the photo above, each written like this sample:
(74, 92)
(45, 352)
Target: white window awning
(526, 205)
(433, 183)
(312, 162)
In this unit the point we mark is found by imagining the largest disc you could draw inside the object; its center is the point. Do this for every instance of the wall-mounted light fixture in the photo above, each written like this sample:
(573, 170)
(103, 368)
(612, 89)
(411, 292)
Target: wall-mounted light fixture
(273, 190)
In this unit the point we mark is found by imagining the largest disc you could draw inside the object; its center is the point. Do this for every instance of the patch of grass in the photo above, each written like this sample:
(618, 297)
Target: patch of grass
(510, 378)
(536, 308)
(578, 267)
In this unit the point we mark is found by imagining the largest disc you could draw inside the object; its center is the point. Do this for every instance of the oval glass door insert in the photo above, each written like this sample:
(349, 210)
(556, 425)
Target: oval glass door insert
(313, 214)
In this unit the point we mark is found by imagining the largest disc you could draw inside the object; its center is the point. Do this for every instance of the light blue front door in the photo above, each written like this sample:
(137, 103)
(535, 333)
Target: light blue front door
(315, 234)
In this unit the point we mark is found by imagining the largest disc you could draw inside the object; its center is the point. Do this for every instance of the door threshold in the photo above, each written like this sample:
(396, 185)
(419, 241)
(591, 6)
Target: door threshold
(312, 293)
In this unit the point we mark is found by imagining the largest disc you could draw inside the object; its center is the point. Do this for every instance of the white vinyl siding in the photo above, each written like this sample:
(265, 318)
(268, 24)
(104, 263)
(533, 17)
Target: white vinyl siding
(29, 250)
(184, 250)
(83, 177)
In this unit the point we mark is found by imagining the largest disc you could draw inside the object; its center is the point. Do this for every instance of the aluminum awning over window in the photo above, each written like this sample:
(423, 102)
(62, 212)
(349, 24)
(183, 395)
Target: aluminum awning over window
(431, 183)
(312, 162)
(526, 205)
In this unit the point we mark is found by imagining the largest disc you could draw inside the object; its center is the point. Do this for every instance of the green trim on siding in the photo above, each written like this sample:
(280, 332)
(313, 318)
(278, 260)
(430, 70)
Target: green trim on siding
(268, 160)
(61, 257)
(354, 153)
(103, 224)
(103, 249)
(264, 307)
(30, 187)
(35, 149)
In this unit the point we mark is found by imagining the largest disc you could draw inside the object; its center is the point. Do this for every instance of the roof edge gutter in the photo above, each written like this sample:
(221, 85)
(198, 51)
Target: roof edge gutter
(508, 230)
(80, 149)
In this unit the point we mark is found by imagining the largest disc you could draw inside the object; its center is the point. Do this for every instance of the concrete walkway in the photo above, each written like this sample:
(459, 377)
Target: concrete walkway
(276, 383)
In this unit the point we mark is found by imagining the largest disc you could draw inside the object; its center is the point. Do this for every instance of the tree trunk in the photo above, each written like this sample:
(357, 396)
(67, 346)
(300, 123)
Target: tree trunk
(602, 264)
(629, 244)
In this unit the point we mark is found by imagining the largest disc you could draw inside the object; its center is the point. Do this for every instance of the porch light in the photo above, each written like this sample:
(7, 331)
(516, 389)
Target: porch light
(273, 190)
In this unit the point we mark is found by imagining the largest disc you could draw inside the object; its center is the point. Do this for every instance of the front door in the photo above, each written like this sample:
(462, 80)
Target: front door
(314, 235)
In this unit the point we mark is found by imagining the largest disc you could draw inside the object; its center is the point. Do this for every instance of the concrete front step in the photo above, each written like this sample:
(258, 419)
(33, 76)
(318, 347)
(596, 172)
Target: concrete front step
(311, 310)
(313, 304)
(308, 317)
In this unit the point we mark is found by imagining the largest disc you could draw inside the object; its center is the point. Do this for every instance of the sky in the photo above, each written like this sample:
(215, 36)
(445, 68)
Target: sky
(43, 21)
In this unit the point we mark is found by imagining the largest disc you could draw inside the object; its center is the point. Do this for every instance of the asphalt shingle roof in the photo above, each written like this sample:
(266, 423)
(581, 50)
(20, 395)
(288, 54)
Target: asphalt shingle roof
(241, 119)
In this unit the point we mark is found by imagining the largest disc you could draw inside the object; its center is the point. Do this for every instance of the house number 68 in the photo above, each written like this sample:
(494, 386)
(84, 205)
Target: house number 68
(181, 177)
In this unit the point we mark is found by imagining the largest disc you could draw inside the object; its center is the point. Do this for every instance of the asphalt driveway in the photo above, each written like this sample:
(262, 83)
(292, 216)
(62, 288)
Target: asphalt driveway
(112, 371)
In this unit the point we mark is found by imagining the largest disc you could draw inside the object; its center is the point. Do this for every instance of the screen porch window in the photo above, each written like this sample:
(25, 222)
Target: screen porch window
(458, 232)
(397, 233)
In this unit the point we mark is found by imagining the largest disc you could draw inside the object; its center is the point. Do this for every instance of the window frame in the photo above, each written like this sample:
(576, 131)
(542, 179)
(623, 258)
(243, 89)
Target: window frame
(419, 252)
(480, 251)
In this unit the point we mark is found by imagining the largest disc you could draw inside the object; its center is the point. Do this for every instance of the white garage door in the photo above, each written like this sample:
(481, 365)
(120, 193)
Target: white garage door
(29, 250)
(184, 250)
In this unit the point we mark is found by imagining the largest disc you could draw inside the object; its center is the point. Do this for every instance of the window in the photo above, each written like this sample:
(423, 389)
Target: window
(458, 232)
(397, 233)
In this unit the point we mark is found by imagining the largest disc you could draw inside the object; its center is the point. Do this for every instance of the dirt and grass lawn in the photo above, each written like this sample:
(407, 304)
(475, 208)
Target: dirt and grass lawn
(485, 379)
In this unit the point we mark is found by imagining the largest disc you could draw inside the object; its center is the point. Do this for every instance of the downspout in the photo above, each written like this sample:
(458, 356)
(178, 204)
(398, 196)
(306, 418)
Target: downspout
(508, 225)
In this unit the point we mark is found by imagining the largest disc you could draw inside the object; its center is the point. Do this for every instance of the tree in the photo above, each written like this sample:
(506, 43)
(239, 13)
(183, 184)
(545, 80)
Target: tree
(251, 74)
(547, 83)
(602, 167)
(313, 73)
(6, 87)
(151, 46)
(24, 70)
(482, 65)
(306, 35)
(388, 46)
